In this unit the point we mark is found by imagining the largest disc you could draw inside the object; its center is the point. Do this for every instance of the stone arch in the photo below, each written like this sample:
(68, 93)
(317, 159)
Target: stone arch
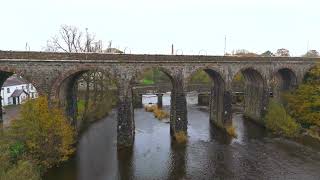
(220, 98)
(283, 79)
(6, 72)
(139, 72)
(255, 93)
(64, 89)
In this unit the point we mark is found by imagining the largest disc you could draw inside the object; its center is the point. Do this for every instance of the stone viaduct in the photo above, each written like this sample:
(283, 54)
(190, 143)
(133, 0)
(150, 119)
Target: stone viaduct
(55, 74)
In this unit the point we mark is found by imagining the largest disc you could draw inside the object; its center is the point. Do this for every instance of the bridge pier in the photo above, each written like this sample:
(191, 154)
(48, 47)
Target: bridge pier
(125, 118)
(220, 107)
(178, 111)
(159, 102)
(1, 112)
(203, 99)
(72, 108)
(137, 102)
(255, 102)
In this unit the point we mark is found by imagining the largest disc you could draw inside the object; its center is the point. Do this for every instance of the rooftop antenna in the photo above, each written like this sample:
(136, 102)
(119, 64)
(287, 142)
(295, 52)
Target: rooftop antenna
(172, 50)
(27, 47)
(225, 45)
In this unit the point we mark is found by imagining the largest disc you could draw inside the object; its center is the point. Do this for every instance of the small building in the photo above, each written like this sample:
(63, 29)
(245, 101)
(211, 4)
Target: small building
(15, 90)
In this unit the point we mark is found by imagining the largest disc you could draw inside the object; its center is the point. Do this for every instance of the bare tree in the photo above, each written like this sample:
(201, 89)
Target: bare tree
(72, 40)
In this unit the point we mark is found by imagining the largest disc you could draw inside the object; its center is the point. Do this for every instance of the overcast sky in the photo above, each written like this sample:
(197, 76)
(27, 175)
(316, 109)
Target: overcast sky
(150, 26)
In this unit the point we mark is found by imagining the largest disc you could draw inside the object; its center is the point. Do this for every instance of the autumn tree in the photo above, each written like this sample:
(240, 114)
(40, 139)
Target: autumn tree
(311, 53)
(43, 134)
(244, 52)
(304, 102)
(283, 52)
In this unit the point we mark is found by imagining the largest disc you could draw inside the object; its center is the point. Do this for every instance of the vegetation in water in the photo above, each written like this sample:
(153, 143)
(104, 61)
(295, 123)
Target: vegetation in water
(231, 130)
(41, 138)
(159, 113)
(181, 137)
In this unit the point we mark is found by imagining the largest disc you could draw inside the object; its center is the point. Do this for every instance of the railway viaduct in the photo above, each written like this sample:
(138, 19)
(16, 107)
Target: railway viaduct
(55, 74)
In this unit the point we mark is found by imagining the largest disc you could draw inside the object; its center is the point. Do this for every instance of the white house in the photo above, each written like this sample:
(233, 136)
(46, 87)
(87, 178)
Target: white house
(16, 90)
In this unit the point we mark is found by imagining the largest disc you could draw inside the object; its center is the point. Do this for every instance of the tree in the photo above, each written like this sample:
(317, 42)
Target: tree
(44, 133)
(311, 53)
(267, 54)
(279, 121)
(71, 39)
(244, 52)
(304, 103)
(283, 52)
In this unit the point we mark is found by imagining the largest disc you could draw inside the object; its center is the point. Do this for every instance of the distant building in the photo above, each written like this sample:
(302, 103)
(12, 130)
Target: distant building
(112, 51)
(16, 90)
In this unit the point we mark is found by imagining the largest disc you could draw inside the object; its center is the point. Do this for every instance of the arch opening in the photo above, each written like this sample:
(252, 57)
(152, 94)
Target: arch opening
(209, 85)
(283, 80)
(255, 93)
(87, 95)
(15, 91)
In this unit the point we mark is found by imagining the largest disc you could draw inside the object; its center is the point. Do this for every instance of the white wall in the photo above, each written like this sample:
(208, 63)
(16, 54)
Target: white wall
(6, 100)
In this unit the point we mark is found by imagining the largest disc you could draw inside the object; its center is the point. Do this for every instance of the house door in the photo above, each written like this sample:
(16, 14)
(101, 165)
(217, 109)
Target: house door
(14, 100)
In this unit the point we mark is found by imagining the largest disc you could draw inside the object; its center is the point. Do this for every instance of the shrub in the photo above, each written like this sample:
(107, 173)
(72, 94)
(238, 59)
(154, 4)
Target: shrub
(23, 170)
(44, 133)
(279, 121)
(160, 114)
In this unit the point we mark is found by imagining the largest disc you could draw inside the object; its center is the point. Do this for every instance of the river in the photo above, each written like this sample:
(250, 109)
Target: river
(209, 154)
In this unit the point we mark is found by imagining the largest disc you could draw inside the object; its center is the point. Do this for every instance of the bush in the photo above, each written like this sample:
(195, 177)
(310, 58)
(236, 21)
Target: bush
(23, 170)
(279, 121)
(44, 133)
(181, 137)
(158, 112)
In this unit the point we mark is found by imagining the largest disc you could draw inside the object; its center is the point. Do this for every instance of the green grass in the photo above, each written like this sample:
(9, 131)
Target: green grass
(147, 81)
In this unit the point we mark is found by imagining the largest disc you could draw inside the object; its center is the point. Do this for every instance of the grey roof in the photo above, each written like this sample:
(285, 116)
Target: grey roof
(13, 81)
(18, 92)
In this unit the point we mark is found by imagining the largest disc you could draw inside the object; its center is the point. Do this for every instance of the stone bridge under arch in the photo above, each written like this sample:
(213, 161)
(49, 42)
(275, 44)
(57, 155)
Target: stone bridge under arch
(55, 73)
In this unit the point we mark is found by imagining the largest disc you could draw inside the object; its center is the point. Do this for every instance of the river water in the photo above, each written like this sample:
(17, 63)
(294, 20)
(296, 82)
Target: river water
(209, 153)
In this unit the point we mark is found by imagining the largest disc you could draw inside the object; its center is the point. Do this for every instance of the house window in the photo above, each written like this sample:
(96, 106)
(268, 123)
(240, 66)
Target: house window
(8, 90)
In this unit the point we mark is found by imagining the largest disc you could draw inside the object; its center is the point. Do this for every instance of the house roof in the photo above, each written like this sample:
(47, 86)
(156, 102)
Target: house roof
(18, 92)
(13, 81)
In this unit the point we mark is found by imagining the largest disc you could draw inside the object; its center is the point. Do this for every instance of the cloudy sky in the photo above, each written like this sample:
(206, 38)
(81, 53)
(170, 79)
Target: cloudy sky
(150, 26)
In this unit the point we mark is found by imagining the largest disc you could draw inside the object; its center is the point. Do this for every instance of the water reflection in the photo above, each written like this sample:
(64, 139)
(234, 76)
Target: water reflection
(209, 153)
